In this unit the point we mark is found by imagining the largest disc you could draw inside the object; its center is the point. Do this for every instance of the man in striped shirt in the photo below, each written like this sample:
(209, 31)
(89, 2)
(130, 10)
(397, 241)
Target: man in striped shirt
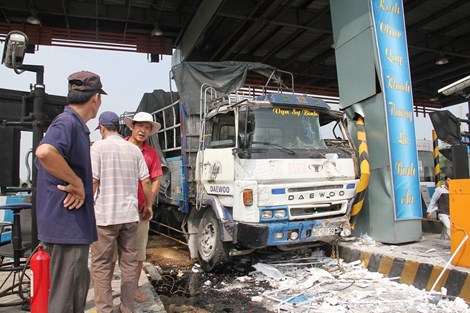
(118, 167)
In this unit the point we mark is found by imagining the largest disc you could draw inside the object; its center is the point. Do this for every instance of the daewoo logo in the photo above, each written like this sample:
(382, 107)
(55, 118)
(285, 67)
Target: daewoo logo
(313, 195)
(219, 189)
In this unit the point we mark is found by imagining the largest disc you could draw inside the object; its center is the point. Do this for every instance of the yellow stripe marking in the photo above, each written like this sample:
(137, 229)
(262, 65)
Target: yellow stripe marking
(436, 271)
(385, 265)
(365, 168)
(362, 147)
(365, 258)
(356, 208)
(361, 136)
(465, 291)
(409, 272)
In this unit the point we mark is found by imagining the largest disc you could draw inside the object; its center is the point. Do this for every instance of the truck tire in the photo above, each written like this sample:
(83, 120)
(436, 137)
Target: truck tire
(213, 252)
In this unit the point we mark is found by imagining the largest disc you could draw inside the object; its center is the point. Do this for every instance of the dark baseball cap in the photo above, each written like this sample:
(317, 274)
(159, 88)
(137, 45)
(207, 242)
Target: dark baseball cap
(108, 118)
(85, 81)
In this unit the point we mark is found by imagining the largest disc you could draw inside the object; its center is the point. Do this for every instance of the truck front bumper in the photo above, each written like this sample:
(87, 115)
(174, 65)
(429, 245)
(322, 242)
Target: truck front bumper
(290, 233)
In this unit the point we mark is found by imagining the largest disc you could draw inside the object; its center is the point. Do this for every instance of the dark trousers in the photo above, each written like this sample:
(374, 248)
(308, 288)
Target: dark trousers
(70, 278)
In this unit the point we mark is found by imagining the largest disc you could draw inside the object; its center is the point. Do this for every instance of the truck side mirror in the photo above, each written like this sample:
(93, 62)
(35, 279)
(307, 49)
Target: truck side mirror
(249, 125)
(243, 144)
(243, 140)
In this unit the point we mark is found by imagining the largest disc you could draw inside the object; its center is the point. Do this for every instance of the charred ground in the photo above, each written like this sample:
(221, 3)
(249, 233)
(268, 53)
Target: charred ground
(184, 287)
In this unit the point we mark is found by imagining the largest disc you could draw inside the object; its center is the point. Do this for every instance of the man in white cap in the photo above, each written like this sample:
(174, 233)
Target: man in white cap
(143, 126)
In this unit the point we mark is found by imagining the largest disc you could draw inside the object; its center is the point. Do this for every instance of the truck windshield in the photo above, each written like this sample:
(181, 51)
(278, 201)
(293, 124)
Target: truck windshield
(288, 128)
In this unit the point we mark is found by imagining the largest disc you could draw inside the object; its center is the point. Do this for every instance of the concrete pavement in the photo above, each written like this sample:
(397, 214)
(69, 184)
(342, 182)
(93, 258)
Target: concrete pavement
(151, 305)
(417, 263)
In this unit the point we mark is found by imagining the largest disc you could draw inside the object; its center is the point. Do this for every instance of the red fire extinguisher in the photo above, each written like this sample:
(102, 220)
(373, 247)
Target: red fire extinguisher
(40, 281)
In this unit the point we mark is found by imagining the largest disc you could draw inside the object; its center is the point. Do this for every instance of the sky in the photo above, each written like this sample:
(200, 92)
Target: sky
(126, 76)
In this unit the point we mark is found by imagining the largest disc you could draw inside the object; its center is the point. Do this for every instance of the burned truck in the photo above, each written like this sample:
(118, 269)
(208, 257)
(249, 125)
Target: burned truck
(252, 167)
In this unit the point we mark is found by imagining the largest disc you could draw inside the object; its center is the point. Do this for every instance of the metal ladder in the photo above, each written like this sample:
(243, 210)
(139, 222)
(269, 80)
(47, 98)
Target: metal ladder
(207, 94)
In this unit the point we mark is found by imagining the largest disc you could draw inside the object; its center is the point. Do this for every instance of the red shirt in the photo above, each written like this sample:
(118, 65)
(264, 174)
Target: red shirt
(155, 169)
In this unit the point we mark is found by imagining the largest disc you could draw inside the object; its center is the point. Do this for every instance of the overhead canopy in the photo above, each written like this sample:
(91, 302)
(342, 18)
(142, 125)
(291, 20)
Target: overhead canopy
(292, 35)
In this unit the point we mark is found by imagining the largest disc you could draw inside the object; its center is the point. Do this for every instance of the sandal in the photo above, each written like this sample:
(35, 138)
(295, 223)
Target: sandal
(140, 297)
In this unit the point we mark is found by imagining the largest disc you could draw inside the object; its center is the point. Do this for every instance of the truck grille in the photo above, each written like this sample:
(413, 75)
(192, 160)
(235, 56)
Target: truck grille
(303, 189)
(311, 211)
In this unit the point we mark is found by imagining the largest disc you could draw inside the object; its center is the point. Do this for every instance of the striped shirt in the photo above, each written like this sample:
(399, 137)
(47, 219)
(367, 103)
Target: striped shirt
(119, 166)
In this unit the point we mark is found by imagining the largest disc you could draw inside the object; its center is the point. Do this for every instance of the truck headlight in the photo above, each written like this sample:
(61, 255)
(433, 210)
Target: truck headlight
(279, 213)
(294, 235)
(267, 214)
(247, 197)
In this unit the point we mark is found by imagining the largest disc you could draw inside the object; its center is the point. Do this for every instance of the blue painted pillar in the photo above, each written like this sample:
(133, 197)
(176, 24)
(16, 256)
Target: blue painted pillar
(374, 81)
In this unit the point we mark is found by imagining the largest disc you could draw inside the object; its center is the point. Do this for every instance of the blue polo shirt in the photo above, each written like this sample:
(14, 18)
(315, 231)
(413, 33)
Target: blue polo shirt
(69, 134)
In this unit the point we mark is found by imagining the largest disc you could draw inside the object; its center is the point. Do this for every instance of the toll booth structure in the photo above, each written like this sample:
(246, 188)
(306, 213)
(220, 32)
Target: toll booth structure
(370, 42)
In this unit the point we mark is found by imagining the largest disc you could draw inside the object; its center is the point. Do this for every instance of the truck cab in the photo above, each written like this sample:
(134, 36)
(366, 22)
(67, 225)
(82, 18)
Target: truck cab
(252, 168)
(266, 176)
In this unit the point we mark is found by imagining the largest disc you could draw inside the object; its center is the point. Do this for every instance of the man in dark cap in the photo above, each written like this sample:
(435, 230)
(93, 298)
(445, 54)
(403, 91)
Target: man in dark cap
(64, 201)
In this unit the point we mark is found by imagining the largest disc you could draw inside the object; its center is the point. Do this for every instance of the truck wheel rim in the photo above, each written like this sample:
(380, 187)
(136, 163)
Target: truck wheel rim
(208, 240)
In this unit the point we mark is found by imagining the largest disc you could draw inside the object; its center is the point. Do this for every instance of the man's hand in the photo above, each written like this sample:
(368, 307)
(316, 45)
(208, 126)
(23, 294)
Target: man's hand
(56, 165)
(429, 215)
(75, 194)
(147, 213)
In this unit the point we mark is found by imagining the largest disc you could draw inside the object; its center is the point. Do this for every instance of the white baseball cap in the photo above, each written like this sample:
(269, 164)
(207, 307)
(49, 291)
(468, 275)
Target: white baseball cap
(143, 117)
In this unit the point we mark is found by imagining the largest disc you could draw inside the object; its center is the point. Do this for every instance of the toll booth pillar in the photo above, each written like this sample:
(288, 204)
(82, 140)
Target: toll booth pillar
(374, 82)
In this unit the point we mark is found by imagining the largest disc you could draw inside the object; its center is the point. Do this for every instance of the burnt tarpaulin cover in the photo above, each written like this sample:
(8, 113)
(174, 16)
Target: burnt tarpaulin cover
(224, 77)
(152, 101)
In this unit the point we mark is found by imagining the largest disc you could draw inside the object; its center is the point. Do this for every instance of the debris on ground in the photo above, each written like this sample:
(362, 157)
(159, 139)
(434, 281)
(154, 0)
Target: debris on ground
(348, 287)
(295, 281)
(173, 308)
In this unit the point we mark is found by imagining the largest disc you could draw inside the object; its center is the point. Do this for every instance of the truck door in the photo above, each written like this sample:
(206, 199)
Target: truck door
(217, 158)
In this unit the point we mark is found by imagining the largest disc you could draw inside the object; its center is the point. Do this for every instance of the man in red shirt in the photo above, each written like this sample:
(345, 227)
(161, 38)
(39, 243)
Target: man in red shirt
(143, 126)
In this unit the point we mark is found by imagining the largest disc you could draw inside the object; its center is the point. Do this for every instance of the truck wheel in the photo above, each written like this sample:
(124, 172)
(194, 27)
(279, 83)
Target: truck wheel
(213, 252)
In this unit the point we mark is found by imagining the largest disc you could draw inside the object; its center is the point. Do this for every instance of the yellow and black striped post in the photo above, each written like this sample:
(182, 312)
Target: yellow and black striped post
(435, 149)
(363, 153)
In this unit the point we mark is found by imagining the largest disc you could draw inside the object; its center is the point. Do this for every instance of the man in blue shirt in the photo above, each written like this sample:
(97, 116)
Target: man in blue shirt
(65, 213)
